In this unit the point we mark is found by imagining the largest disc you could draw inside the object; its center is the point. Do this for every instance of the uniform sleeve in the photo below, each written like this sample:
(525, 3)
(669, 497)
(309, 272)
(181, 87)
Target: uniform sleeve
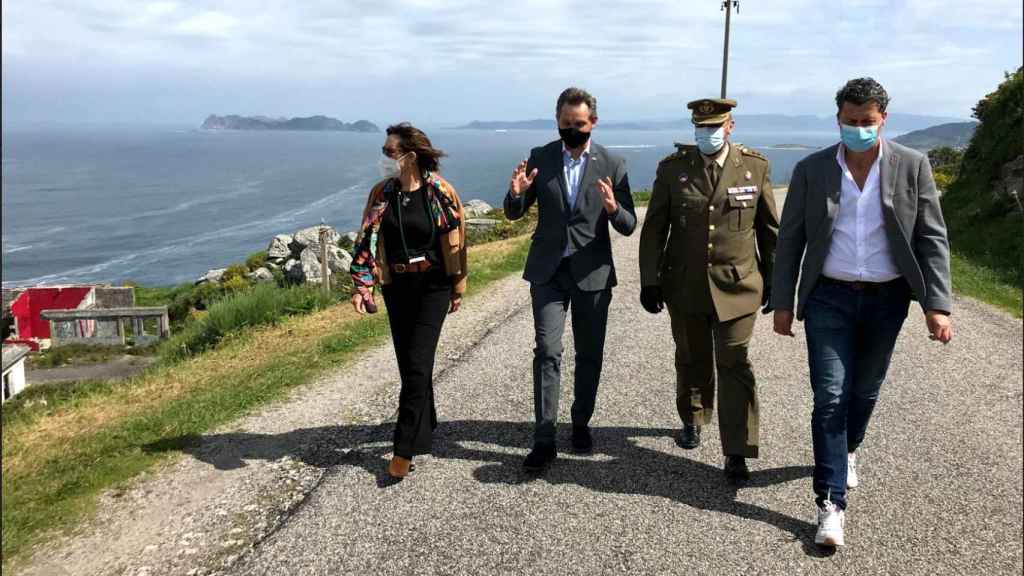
(655, 231)
(767, 228)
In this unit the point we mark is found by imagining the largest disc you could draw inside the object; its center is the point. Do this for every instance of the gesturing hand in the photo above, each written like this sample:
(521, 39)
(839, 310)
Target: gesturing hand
(607, 195)
(521, 181)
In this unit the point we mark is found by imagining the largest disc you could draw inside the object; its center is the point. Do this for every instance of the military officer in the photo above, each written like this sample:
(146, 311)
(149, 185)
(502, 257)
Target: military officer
(706, 251)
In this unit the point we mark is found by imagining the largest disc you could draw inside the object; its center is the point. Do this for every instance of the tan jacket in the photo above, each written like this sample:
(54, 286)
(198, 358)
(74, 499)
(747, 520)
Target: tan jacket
(708, 248)
(453, 243)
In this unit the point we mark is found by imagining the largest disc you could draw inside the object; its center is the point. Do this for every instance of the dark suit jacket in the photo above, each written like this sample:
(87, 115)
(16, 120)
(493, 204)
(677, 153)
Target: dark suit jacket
(584, 229)
(913, 224)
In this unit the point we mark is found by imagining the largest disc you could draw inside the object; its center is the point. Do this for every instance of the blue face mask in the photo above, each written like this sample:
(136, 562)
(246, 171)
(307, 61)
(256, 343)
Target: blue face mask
(858, 138)
(710, 139)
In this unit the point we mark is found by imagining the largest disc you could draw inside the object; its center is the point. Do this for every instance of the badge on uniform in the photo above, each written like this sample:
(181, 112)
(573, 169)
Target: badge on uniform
(742, 190)
(683, 178)
(747, 175)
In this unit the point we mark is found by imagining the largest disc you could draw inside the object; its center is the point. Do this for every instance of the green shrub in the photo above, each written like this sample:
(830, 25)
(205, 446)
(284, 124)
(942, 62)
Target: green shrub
(235, 284)
(256, 260)
(234, 271)
(983, 226)
(261, 305)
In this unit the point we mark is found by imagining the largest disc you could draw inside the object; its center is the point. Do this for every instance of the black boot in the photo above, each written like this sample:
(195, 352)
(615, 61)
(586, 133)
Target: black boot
(689, 437)
(582, 442)
(540, 458)
(736, 468)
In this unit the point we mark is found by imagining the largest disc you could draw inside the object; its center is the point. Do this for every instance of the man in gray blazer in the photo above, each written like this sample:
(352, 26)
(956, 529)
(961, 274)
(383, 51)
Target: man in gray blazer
(864, 216)
(579, 188)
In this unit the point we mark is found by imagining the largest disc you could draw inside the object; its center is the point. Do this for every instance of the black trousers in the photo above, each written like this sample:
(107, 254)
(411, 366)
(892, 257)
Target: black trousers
(417, 305)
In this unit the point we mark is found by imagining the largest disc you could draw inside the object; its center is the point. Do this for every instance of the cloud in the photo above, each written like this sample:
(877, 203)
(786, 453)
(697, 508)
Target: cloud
(445, 60)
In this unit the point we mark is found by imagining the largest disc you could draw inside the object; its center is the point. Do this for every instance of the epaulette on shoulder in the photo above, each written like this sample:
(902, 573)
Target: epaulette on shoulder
(682, 150)
(751, 152)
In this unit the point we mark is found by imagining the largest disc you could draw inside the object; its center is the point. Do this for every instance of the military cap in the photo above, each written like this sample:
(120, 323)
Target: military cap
(711, 111)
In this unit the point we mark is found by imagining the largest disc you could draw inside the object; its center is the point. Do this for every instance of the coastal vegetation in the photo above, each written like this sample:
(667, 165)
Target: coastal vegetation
(983, 204)
(235, 349)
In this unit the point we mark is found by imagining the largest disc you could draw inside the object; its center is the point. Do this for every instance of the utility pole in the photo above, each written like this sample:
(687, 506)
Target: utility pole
(727, 5)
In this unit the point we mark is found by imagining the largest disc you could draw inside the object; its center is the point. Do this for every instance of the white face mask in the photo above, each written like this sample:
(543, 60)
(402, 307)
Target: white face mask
(390, 167)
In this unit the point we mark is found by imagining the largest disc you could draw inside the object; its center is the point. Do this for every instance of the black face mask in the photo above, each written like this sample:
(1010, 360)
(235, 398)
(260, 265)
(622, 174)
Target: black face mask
(573, 137)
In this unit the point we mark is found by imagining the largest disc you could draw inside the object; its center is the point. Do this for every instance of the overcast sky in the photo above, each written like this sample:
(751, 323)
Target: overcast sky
(447, 61)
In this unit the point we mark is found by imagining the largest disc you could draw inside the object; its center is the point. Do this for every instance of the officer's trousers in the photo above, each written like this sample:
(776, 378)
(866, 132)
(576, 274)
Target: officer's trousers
(702, 345)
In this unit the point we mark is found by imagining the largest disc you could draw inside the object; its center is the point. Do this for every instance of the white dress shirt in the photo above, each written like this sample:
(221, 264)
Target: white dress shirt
(572, 170)
(860, 249)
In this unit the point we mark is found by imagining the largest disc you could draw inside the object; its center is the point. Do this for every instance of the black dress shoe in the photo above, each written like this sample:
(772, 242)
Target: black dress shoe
(582, 442)
(540, 458)
(736, 468)
(689, 437)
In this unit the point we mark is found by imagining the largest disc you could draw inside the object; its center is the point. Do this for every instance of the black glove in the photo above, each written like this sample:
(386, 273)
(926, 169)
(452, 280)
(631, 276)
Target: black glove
(651, 300)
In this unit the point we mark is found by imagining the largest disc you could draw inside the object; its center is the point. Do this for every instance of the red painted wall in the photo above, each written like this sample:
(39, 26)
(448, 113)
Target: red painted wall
(31, 302)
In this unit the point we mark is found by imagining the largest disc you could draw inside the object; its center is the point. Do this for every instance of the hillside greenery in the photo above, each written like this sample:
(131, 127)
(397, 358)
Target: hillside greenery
(985, 227)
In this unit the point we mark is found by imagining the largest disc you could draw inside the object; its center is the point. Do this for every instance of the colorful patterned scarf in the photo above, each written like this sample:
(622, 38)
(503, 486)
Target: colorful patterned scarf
(446, 217)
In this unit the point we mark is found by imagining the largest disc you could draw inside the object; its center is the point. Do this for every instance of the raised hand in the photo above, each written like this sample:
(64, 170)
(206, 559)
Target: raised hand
(521, 181)
(607, 195)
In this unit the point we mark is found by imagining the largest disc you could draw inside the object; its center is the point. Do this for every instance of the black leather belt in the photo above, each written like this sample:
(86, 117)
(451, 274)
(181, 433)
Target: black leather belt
(421, 266)
(858, 285)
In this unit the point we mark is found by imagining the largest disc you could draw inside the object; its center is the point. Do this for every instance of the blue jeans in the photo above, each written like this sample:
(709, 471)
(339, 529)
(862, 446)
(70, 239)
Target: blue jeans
(850, 337)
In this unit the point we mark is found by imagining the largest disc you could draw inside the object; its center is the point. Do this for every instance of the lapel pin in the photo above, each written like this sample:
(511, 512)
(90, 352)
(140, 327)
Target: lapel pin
(747, 175)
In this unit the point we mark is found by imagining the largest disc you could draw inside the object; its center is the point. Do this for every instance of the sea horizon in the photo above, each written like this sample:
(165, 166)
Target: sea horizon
(161, 205)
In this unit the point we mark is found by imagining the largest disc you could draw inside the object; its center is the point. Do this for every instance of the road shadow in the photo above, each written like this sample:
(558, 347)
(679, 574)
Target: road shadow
(620, 463)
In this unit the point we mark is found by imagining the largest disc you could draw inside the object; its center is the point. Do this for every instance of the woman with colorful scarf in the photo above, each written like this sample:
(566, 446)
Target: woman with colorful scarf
(412, 244)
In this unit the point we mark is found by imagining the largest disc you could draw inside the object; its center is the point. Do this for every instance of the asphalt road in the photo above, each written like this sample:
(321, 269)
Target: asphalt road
(941, 469)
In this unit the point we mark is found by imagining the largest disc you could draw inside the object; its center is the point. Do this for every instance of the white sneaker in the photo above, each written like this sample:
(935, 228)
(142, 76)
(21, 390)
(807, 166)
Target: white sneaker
(831, 521)
(852, 480)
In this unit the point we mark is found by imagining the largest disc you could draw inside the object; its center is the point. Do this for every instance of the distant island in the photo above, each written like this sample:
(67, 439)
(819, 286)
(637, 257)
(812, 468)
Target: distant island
(311, 123)
(953, 134)
(897, 121)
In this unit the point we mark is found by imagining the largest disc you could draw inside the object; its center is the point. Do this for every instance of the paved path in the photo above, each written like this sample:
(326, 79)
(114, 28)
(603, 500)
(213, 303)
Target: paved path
(941, 470)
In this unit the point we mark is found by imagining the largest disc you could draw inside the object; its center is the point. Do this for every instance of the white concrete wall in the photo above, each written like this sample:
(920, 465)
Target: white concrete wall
(14, 380)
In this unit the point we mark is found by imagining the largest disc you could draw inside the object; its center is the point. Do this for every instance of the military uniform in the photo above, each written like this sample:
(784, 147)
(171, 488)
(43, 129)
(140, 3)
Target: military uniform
(710, 247)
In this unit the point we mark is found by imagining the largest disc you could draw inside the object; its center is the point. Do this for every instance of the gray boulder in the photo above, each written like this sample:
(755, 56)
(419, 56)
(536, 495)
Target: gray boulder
(310, 238)
(280, 247)
(261, 275)
(306, 269)
(338, 260)
(475, 208)
(213, 275)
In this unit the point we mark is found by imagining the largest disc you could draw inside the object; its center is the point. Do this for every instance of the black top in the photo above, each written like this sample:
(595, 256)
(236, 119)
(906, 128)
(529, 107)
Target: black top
(409, 213)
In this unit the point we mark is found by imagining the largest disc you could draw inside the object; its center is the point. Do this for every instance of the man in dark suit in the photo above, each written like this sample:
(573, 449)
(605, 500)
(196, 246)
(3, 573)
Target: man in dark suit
(864, 218)
(579, 188)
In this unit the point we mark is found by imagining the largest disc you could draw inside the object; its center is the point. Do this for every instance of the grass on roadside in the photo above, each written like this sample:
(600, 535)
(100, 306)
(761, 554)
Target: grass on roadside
(59, 455)
(983, 283)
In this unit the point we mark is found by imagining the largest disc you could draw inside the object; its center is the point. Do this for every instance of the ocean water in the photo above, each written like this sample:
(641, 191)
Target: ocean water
(162, 205)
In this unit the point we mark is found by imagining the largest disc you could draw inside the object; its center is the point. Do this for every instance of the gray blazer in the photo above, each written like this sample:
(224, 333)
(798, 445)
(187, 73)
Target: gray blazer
(584, 229)
(913, 224)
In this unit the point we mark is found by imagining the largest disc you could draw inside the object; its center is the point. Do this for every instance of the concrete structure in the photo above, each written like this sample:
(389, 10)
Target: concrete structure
(13, 369)
(26, 304)
(73, 326)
